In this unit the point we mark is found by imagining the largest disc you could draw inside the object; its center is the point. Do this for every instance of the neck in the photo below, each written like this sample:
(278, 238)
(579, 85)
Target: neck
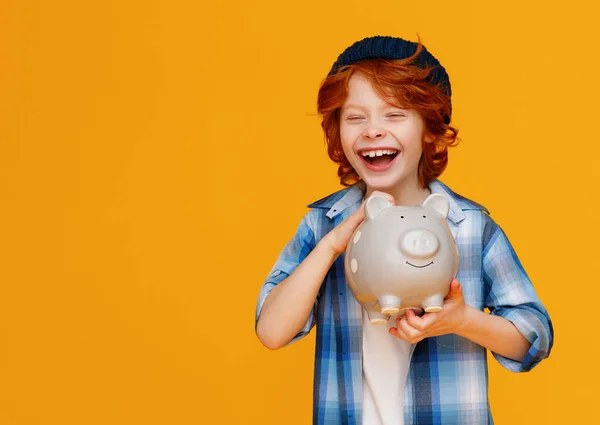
(409, 193)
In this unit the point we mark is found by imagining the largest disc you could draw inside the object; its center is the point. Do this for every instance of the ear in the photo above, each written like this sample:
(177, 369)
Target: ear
(438, 203)
(374, 205)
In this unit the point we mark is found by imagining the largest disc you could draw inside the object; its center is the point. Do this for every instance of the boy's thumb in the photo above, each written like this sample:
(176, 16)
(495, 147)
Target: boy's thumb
(455, 289)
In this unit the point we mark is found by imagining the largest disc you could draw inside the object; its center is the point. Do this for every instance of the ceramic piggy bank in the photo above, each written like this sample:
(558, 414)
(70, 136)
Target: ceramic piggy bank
(401, 257)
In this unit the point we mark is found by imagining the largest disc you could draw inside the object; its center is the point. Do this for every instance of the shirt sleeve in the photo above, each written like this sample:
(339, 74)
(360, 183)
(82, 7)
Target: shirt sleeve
(295, 251)
(510, 294)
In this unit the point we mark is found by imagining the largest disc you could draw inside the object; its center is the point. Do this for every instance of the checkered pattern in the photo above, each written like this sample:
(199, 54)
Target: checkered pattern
(448, 380)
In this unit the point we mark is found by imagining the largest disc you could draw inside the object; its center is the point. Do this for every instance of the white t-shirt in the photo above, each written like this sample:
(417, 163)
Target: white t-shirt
(386, 361)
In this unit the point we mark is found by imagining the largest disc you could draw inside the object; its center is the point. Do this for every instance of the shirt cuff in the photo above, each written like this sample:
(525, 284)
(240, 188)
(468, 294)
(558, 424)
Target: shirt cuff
(273, 280)
(535, 327)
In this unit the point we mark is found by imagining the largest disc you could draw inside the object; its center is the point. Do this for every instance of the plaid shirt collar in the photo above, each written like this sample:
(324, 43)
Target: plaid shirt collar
(339, 201)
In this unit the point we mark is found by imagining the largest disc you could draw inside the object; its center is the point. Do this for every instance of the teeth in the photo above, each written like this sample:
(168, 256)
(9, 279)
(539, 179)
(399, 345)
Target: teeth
(379, 152)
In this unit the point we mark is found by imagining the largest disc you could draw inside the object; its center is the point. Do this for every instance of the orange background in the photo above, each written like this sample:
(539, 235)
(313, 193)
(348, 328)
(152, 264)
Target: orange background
(155, 156)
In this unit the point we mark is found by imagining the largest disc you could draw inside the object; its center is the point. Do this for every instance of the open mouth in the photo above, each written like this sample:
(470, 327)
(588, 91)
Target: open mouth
(419, 267)
(379, 158)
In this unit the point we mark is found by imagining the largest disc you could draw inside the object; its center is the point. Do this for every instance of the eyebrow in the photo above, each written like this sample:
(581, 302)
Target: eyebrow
(352, 105)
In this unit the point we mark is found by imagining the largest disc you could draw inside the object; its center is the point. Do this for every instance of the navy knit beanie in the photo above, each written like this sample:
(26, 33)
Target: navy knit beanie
(395, 48)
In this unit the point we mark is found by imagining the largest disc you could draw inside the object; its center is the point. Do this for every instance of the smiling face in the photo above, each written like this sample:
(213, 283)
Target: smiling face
(382, 142)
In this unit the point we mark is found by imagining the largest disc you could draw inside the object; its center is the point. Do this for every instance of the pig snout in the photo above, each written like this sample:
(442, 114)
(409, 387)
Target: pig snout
(419, 244)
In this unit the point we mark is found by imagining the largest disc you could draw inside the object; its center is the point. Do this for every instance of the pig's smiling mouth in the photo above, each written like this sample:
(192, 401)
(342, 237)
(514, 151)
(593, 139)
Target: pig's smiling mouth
(419, 267)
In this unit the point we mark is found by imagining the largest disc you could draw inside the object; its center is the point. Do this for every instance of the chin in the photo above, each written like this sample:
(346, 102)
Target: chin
(382, 183)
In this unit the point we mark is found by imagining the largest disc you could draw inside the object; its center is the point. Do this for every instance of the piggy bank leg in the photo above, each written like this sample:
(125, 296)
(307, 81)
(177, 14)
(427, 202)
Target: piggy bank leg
(376, 318)
(433, 304)
(390, 304)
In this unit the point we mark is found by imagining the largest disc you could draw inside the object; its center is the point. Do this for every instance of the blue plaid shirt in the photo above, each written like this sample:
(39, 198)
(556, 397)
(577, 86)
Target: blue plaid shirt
(448, 378)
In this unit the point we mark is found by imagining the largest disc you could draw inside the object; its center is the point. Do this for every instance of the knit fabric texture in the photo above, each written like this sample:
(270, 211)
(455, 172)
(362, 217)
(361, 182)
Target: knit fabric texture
(393, 48)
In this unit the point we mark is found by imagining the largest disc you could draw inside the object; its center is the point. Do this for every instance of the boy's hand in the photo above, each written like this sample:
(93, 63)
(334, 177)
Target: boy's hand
(337, 239)
(413, 328)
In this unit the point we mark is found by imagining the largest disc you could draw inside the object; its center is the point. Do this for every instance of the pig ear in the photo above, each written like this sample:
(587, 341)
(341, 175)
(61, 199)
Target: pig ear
(374, 205)
(438, 203)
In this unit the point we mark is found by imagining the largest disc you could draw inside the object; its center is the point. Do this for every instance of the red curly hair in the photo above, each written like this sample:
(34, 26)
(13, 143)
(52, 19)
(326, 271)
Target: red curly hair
(403, 85)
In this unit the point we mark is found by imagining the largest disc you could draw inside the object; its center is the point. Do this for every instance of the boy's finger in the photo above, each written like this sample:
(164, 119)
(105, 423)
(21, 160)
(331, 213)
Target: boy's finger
(415, 321)
(408, 330)
(398, 333)
(354, 219)
(429, 319)
(455, 290)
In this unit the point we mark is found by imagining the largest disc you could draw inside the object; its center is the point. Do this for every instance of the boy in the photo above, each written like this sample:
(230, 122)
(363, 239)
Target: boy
(386, 111)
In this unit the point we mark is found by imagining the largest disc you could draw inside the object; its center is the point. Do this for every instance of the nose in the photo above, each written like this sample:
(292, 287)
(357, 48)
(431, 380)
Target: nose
(374, 133)
(419, 243)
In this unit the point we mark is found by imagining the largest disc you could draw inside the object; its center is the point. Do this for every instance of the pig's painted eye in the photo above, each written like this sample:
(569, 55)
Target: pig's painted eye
(401, 216)
(424, 216)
